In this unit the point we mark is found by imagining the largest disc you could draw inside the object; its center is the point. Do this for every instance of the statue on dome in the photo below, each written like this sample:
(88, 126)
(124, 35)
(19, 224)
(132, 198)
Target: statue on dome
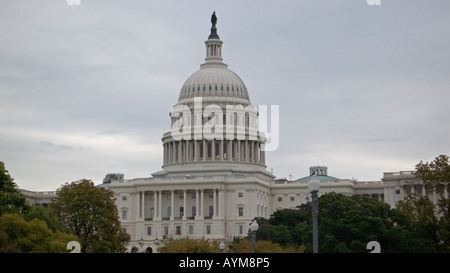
(214, 19)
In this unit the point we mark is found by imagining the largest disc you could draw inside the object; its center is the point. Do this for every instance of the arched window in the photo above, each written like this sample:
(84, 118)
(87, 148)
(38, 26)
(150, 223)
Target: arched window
(181, 211)
(194, 211)
(211, 211)
(152, 212)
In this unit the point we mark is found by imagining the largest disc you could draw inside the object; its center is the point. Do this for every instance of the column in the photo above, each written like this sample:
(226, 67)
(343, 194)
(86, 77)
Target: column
(155, 211)
(256, 151)
(137, 197)
(180, 147)
(160, 205)
(213, 149)
(186, 151)
(201, 203)
(252, 151)
(205, 150)
(229, 152)
(191, 151)
(168, 153)
(221, 204)
(184, 205)
(173, 152)
(142, 204)
(238, 152)
(215, 203)
(221, 150)
(196, 150)
(172, 204)
(197, 204)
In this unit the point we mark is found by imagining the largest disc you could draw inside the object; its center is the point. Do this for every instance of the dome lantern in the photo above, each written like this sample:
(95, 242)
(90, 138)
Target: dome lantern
(214, 44)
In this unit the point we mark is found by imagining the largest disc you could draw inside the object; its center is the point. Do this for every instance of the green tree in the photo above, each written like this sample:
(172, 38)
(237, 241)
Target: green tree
(18, 235)
(45, 214)
(90, 213)
(11, 199)
(348, 223)
(431, 220)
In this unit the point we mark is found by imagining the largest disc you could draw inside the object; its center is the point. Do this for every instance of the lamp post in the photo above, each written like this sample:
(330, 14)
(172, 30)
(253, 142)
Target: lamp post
(221, 246)
(141, 244)
(313, 187)
(254, 228)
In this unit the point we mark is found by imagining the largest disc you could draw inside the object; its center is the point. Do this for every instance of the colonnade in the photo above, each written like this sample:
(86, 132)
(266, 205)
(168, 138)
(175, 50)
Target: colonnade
(185, 151)
(191, 204)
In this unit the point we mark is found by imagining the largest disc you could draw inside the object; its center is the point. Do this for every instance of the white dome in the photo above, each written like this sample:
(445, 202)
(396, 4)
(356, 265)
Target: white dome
(213, 80)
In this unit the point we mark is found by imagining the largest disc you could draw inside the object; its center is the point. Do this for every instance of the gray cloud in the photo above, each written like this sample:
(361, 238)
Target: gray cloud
(87, 90)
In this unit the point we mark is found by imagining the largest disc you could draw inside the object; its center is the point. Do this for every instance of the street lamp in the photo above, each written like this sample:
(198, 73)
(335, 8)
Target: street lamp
(221, 246)
(141, 244)
(254, 228)
(313, 187)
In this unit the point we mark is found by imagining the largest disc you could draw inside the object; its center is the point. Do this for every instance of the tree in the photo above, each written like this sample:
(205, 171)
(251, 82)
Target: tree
(431, 221)
(45, 214)
(90, 213)
(187, 245)
(11, 199)
(348, 223)
(244, 245)
(18, 235)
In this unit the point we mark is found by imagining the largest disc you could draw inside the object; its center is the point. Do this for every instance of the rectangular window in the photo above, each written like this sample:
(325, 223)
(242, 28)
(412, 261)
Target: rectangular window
(292, 199)
(178, 230)
(191, 230)
(124, 198)
(149, 230)
(241, 229)
(241, 211)
(208, 229)
(124, 214)
(280, 199)
(241, 194)
(166, 230)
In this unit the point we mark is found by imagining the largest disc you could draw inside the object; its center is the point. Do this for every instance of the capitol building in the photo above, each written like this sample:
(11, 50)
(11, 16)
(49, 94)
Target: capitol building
(214, 179)
(213, 184)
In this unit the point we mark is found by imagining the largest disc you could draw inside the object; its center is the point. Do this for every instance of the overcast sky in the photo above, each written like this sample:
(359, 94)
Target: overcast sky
(87, 90)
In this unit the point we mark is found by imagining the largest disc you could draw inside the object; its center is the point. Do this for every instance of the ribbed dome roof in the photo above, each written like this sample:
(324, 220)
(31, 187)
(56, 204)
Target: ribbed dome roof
(214, 81)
